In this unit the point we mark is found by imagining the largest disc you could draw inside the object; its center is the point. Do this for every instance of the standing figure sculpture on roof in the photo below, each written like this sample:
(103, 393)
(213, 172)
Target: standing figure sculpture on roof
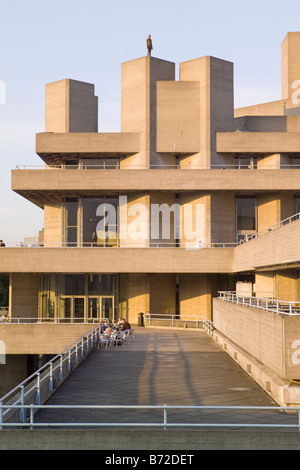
(149, 45)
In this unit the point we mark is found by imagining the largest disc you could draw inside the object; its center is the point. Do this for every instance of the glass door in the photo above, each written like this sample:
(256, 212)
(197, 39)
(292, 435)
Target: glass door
(94, 304)
(72, 309)
(65, 309)
(78, 309)
(107, 307)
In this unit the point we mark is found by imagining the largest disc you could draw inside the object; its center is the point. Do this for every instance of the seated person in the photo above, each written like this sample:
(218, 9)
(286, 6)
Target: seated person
(124, 325)
(108, 330)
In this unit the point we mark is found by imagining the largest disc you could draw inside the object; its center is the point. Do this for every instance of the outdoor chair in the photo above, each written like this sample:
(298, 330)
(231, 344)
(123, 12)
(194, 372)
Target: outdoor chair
(104, 340)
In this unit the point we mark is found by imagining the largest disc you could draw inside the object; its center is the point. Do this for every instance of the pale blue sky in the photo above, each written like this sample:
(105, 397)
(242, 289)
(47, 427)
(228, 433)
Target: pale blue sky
(45, 41)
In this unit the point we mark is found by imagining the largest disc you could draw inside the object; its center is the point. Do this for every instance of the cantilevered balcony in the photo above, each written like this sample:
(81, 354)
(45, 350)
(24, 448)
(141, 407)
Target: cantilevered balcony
(273, 249)
(115, 260)
(76, 143)
(42, 185)
(258, 142)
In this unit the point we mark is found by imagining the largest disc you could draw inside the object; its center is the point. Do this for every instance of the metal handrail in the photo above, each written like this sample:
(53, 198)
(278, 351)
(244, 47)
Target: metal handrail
(205, 323)
(180, 166)
(45, 373)
(165, 423)
(63, 321)
(268, 304)
(283, 222)
(133, 244)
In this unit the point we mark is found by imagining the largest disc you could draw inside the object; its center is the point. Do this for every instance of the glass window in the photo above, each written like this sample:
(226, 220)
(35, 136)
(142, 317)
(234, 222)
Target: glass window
(246, 213)
(71, 206)
(100, 284)
(71, 164)
(72, 284)
(112, 163)
(297, 204)
(100, 227)
(93, 163)
(90, 219)
(296, 161)
(244, 162)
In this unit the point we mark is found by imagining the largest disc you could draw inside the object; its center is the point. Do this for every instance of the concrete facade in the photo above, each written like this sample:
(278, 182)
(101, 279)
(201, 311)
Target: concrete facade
(243, 178)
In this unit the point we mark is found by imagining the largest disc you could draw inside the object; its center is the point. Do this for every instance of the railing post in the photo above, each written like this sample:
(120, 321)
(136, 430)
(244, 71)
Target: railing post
(31, 417)
(21, 411)
(76, 354)
(299, 419)
(82, 348)
(60, 374)
(172, 320)
(38, 390)
(50, 385)
(69, 360)
(165, 417)
(1, 416)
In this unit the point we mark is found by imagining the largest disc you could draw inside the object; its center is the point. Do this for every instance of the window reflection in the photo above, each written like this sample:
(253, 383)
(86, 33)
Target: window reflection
(246, 213)
(245, 162)
(100, 227)
(71, 224)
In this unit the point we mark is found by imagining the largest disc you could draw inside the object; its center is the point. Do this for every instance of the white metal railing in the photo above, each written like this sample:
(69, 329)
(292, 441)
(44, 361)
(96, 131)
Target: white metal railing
(268, 304)
(37, 319)
(31, 387)
(289, 417)
(271, 228)
(118, 244)
(180, 166)
(200, 321)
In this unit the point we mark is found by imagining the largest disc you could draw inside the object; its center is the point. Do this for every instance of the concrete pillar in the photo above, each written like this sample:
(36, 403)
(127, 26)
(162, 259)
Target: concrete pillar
(290, 69)
(134, 296)
(24, 295)
(13, 372)
(134, 220)
(222, 217)
(216, 102)
(139, 103)
(265, 284)
(287, 285)
(163, 293)
(195, 219)
(195, 294)
(71, 106)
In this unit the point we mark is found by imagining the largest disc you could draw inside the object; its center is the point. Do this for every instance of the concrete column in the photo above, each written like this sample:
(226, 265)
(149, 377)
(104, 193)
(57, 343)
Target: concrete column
(287, 285)
(13, 372)
(265, 284)
(290, 69)
(71, 106)
(139, 103)
(24, 295)
(163, 293)
(195, 294)
(134, 296)
(216, 102)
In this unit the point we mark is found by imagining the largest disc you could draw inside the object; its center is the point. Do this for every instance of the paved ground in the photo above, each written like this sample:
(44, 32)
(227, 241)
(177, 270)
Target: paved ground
(173, 367)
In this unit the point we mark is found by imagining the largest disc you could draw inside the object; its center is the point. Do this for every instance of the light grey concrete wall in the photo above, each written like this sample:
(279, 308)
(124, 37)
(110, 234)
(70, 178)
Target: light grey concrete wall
(148, 440)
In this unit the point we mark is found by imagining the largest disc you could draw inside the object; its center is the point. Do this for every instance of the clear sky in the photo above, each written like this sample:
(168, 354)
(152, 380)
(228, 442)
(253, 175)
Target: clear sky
(44, 41)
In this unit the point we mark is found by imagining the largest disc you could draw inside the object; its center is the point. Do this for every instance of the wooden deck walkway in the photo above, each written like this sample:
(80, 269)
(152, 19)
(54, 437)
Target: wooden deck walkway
(162, 366)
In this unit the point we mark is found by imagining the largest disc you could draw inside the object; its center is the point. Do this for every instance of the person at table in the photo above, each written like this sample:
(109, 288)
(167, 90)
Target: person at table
(108, 330)
(124, 325)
